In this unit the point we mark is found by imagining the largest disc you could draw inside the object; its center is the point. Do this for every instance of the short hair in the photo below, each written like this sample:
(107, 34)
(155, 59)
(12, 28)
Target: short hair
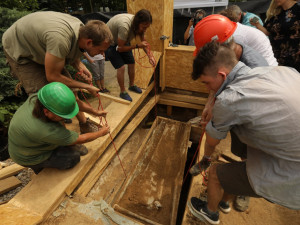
(142, 16)
(200, 11)
(96, 30)
(211, 57)
(233, 13)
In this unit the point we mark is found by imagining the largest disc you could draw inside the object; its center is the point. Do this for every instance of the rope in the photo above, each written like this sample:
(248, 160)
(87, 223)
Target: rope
(101, 122)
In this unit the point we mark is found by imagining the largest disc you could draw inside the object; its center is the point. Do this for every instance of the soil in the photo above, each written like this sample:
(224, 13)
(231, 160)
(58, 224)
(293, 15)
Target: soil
(78, 210)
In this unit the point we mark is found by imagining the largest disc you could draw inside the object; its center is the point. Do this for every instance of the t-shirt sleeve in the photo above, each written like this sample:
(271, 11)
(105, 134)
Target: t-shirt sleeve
(123, 33)
(57, 45)
(224, 118)
(59, 135)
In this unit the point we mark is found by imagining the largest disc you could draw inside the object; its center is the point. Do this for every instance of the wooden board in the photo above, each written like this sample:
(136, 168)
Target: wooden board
(162, 20)
(143, 69)
(8, 184)
(52, 184)
(18, 216)
(178, 75)
(183, 98)
(10, 171)
(110, 153)
(152, 191)
(180, 104)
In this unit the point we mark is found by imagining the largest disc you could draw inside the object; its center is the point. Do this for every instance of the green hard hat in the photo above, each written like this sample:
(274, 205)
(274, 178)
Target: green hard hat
(59, 99)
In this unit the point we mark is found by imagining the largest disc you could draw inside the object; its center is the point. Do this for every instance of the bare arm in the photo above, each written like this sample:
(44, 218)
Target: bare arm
(87, 137)
(54, 66)
(260, 27)
(210, 145)
(187, 31)
(207, 111)
(88, 58)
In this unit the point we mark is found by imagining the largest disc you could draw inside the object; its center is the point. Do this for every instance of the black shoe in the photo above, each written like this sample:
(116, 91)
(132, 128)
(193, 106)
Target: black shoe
(199, 209)
(81, 149)
(224, 207)
(104, 90)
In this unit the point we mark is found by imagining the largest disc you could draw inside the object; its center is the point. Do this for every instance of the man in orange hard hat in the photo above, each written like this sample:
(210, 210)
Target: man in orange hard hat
(219, 28)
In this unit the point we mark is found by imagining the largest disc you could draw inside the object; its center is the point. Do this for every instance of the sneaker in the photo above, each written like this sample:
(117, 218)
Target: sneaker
(195, 169)
(199, 209)
(224, 207)
(88, 127)
(241, 203)
(81, 149)
(125, 96)
(135, 88)
(104, 90)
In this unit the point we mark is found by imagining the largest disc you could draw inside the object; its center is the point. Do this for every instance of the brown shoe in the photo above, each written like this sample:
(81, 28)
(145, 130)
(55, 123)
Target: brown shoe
(88, 127)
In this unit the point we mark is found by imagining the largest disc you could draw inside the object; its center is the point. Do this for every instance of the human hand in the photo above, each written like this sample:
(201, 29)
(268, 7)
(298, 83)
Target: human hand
(254, 21)
(101, 113)
(105, 130)
(93, 90)
(191, 22)
(143, 44)
(152, 61)
(206, 115)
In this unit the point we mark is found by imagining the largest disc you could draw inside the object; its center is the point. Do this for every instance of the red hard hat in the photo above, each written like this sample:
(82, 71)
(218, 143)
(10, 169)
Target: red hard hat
(213, 27)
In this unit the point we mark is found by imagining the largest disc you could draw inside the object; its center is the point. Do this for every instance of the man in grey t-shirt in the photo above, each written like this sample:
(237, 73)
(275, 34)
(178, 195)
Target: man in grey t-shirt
(125, 27)
(261, 107)
(39, 46)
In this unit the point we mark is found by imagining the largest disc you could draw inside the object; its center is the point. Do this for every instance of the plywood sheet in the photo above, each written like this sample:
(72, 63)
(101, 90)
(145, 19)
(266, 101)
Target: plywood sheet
(179, 67)
(143, 69)
(151, 192)
(162, 17)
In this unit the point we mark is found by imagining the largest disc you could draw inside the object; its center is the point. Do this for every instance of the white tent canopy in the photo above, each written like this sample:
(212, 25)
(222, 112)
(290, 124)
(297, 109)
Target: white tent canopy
(181, 4)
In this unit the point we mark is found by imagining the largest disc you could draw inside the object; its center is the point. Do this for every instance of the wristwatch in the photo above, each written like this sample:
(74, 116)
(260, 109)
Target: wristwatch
(117, 48)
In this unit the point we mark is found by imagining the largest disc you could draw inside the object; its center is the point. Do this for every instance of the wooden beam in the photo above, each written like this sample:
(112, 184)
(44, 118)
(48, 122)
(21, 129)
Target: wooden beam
(180, 104)
(8, 184)
(52, 185)
(113, 98)
(184, 98)
(18, 215)
(110, 153)
(10, 171)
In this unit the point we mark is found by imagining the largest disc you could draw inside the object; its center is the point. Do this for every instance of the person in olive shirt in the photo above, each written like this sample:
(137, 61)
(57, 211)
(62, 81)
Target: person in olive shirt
(39, 46)
(36, 137)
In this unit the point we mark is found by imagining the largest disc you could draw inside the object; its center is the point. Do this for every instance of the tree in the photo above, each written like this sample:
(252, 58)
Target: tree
(20, 4)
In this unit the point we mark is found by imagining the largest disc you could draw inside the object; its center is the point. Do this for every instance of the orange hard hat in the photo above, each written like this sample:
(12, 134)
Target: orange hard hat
(213, 27)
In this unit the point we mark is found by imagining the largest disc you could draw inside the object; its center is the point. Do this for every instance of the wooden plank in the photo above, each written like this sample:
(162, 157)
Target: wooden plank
(11, 214)
(113, 98)
(178, 75)
(180, 104)
(143, 69)
(103, 162)
(52, 184)
(8, 184)
(10, 171)
(184, 98)
(152, 191)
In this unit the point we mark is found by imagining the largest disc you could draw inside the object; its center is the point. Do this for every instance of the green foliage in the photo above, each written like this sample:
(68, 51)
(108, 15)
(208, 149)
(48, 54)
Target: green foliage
(9, 102)
(20, 4)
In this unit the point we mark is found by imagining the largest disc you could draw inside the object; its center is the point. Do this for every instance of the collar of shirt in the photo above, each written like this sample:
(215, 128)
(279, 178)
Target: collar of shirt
(239, 69)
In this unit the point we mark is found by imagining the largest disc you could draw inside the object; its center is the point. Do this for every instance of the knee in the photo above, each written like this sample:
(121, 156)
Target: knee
(121, 70)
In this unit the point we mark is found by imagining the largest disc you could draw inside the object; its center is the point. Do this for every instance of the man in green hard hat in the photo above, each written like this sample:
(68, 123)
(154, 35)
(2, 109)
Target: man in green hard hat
(36, 136)
(39, 46)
